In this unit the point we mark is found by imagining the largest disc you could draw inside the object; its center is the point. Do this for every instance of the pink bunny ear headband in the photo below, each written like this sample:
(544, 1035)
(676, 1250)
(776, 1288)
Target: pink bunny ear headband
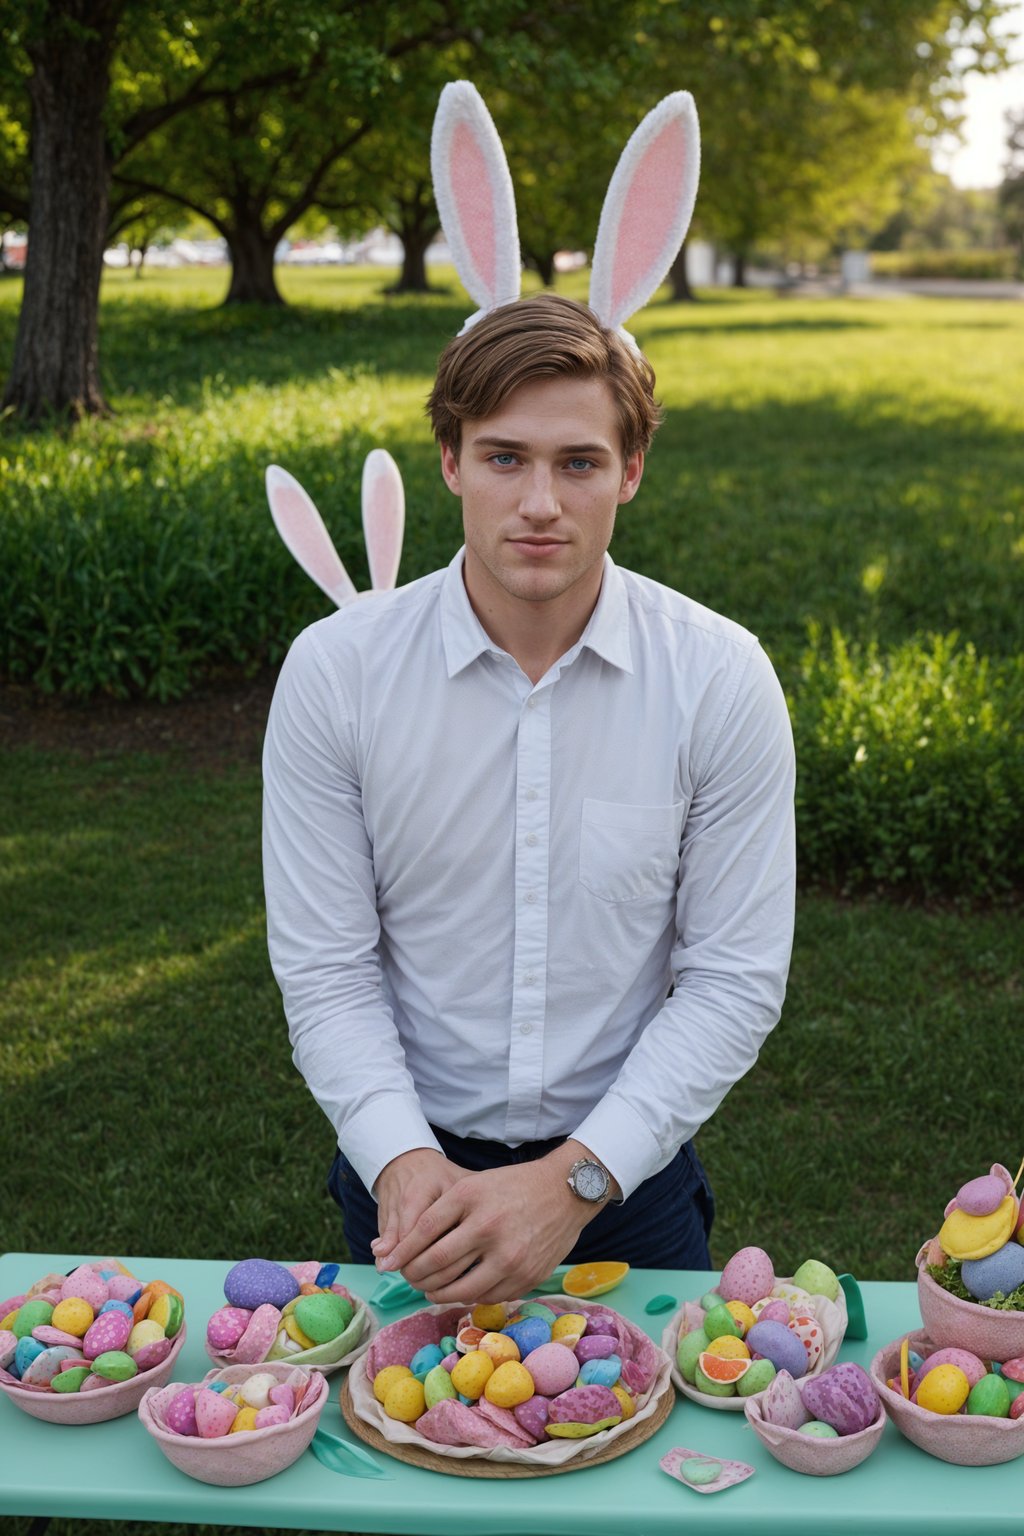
(647, 208)
(302, 528)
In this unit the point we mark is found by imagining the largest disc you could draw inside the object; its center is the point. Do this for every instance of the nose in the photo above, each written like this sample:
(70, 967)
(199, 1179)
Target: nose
(539, 497)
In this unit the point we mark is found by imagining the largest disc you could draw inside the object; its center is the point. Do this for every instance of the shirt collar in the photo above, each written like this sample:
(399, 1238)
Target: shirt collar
(464, 637)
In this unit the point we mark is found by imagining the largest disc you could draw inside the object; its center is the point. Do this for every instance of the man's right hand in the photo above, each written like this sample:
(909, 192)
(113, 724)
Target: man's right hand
(404, 1189)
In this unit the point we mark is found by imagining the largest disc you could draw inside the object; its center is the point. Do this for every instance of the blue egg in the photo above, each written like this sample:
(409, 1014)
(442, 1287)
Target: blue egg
(448, 1345)
(600, 1373)
(1001, 1271)
(217, 1386)
(914, 1360)
(424, 1360)
(469, 1401)
(117, 1306)
(27, 1350)
(530, 1334)
(326, 1275)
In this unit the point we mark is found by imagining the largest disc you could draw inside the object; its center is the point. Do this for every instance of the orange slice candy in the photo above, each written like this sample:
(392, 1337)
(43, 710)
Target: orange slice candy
(719, 1368)
(594, 1279)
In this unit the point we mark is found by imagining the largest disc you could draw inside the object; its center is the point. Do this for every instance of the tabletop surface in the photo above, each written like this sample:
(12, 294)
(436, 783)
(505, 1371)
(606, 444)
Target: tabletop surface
(116, 1471)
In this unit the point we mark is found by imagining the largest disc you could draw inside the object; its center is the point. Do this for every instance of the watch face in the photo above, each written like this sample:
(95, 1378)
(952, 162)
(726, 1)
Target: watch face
(591, 1181)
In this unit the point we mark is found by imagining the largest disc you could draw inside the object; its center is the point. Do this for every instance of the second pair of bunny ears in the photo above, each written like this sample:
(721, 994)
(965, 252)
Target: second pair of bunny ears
(647, 208)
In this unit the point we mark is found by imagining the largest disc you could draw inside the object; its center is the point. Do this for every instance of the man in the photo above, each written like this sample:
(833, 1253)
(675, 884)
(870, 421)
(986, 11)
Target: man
(528, 849)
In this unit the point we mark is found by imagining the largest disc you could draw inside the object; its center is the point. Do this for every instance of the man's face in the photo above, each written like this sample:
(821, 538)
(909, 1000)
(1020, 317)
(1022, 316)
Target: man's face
(540, 482)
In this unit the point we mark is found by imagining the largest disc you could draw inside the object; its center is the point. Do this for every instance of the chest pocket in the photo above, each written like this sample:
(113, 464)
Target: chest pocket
(629, 851)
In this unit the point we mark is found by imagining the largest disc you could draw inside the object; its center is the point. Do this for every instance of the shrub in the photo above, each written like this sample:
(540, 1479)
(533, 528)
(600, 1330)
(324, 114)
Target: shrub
(910, 765)
(976, 265)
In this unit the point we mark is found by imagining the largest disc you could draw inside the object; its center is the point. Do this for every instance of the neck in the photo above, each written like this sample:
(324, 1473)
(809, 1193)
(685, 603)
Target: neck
(534, 633)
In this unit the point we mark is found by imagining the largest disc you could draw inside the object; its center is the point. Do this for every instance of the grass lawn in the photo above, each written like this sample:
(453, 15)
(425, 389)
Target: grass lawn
(824, 463)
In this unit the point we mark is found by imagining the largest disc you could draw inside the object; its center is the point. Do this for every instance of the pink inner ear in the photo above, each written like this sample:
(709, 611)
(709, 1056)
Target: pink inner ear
(649, 211)
(471, 188)
(306, 537)
(384, 547)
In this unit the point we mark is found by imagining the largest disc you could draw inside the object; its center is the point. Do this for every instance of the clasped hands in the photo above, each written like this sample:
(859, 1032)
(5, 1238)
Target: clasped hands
(482, 1237)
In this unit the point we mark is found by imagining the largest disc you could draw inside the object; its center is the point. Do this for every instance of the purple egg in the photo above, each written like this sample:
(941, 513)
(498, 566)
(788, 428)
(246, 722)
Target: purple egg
(595, 1346)
(981, 1196)
(843, 1396)
(775, 1342)
(585, 1405)
(533, 1415)
(255, 1282)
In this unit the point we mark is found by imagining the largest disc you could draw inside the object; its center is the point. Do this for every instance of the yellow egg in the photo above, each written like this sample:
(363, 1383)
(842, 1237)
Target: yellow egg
(7, 1323)
(245, 1418)
(728, 1347)
(293, 1331)
(742, 1313)
(500, 1347)
(386, 1378)
(945, 1389)
(508, 1386)
(472, 1374)
(627, 1402)
(143, 1333)
(975, 1237)
(73, 1316)
(489, 1318)
(568, 1329)
(406, 1400)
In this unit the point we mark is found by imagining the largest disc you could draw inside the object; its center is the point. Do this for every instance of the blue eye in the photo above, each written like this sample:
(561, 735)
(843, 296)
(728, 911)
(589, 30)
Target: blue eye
(503, 460)
(581, 464)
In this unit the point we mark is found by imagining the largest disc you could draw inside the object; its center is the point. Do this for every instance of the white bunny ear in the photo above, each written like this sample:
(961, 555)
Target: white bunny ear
(383, 517)
(473, 191)
(302, 529)
(647, 209)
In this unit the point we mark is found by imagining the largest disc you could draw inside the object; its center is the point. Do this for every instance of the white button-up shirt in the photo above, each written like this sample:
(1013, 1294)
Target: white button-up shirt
(481, 891)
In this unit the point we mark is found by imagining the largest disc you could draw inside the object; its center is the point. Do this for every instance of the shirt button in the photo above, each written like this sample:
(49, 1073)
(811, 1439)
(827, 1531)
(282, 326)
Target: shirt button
(531, 794)
(531, 702)
(530, 976)
(526, 1028)
(530, 896)
(531, 839)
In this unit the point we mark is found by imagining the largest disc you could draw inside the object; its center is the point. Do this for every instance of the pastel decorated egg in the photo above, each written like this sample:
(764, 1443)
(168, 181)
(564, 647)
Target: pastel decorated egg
(72, 1380)
(533, 1415)
(169, 1311)
(438, 1385)
(816, 1430)
(8, 1346)
(115, 1365)
(73, 1316)
(258, 1282)
(584, 1405)
(721, 1323)
(975, 1237)
(470, 1376)
(843, 1396)
(215, 1413)
(747, 1276)
(273, 1414)
(27, 1351)
(816, 1278)
(324, 1316)
(553, 1367)
(580, 1431)
(528, 1334)
(989, 1396)
(778, 1344)
(538, 1309)
(406, 1400)
(87, 1284)
(34, 1314)
(225, 1328)
(143, 1333)
(491, 1317)
(569, 1328)
(109, 1331)
(942, 1390)
(688, 1351)
(759, 1375)
(809, 1331)
(1001, 1271)
(180, 1413)
(973, 1368)
(500, 1347)
(425, 1360)
(743, 1315)
(255, 1391)
(601, 1373)
(509, 1385)
(41, 1371)
(595, 1346)
(153, 1353)
(782, 1403)
(386, 1378)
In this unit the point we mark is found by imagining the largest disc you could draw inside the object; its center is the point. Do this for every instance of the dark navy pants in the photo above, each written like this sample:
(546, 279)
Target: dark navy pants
(665, 1224)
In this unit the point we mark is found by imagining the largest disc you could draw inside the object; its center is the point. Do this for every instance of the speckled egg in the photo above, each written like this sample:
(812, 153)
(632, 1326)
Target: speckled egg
(747, 1276)
(568, 1328)
(510, 1385)
(809, 1331)
(689, 1350)
(500, 1347)
(87, 1284)
(584, 1405)
(533, 1415)
(438, 1385)
(990, 1396)
(973, 1368)
(180, 1413)
(1000, 1271)
(980, 1197)
(775, 1342)
(406, 1400)
(782, 1403)
(109, 1331)
(215, 1413)
(771, 1310)
(943, 1390)
(225, 1328)
(470, 1376)
(553, 1368)
(323, 1316)
(601, 1373)
(254, 1282)
(528, 1334)
(595, 1346)
(39, 1313)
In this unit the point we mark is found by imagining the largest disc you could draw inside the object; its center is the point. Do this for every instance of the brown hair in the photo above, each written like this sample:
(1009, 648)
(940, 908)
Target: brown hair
(542, 337)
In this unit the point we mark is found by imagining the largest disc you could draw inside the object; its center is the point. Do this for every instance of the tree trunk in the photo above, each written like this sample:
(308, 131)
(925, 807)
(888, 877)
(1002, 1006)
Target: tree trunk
(413, 276)
(544, 263)
(252, 263)
(56, 355)
(739, 275)
(678, 276)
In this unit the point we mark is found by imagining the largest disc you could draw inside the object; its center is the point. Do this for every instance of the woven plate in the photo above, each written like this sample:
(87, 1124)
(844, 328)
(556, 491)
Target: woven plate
(481, 1467)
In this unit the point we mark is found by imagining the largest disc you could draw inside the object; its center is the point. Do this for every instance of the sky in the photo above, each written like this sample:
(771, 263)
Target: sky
(979, 162)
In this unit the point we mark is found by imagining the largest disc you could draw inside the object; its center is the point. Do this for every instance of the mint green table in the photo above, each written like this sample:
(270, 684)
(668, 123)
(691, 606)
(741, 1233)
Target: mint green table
(115, 1471)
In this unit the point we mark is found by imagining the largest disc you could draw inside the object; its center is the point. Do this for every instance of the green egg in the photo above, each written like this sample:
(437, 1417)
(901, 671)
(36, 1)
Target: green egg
(711, 1299)
(990, 1396)
(115, 1365)
(817, 1279)
(816, 1430)
(70, 1381)
(1015, 1388)
(323, 1316)
(760, 1374)
(700, 1470)
(691, 1347)
(720, 1322)
(438, 1385)
(31, 1314)
(713, 1388)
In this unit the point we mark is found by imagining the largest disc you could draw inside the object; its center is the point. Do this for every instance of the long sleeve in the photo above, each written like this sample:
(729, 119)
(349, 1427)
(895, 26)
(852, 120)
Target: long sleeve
(322, 922)
(734, 931)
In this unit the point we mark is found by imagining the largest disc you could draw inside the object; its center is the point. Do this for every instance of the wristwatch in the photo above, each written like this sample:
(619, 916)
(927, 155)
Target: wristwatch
(590, 1182)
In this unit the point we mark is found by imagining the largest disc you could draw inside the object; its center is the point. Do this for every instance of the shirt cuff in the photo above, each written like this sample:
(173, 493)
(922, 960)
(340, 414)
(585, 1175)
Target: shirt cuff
(622, 1141)
(381, 1130)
